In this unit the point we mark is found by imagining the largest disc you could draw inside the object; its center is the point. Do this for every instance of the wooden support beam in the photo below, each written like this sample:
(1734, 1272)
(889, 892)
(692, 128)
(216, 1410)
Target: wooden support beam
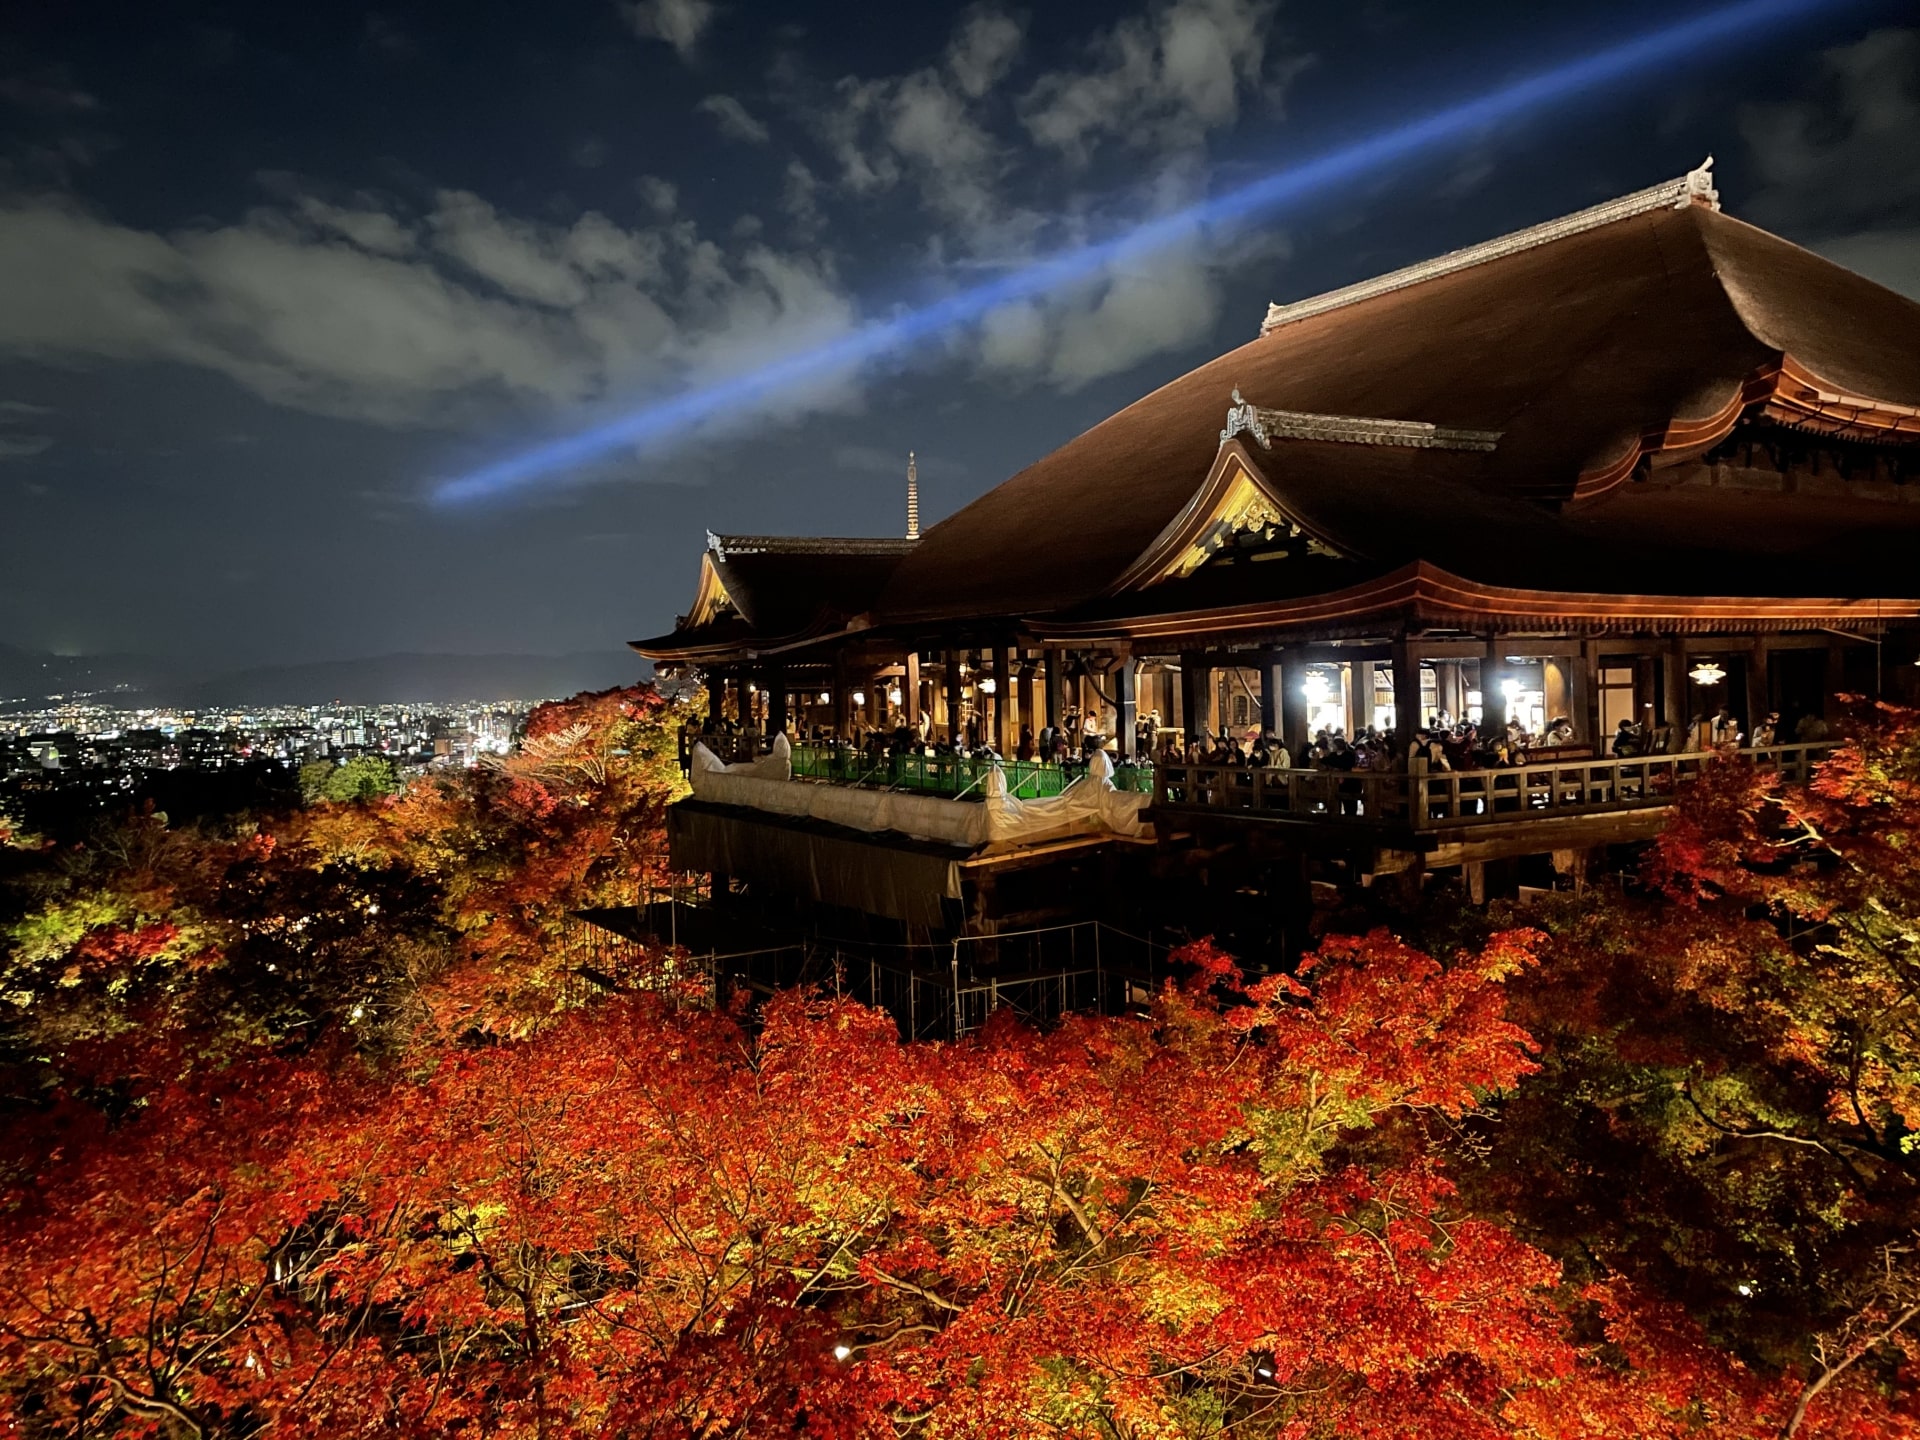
(1758, 690)
(1406, 697)
(910, 689)
(951, 660)
(1196, 694)
(1269, 694)
(1293, 702)
(1125, 707)
(1673, 684)
(1054, 667)
(776, 682)
(998, 659)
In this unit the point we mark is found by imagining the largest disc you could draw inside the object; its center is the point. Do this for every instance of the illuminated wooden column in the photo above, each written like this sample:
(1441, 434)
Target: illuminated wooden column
(910, 688)
(1195, 694)
(1269, 695)
(1673, 678)
(997, 656)
(952, 661)
(1836, 682)
(716, 694)
(1125, 706)
(775, 679)
(842, 698)
(1293, 703)
(1406, 695)
(1759, 693)
(1586, 696)
(1051, 678)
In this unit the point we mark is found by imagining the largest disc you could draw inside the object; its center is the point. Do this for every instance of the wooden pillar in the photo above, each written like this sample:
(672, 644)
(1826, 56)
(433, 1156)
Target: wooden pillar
(1125, 707)
(1586, 697)
(1836, 682)
(842, 698)
(951, 658)
(1293, 703)
(1406, 696)
(716, 694)
(776, 682)
(910, 689)
(1195, 691)
(1269, 695)
(1673, 685)
(1030, 708)
(1759, 693)
(1053, 667)
(1001, 685)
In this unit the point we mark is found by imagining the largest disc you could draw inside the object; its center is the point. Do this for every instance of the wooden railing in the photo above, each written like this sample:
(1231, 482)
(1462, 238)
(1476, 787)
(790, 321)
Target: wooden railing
(1444, 799)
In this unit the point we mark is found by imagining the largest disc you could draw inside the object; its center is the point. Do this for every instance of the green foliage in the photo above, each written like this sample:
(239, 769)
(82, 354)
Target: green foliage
(1730, 1074)
(364, 777)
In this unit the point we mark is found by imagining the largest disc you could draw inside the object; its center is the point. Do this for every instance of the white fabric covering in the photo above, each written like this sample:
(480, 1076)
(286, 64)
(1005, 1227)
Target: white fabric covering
(1089, 806)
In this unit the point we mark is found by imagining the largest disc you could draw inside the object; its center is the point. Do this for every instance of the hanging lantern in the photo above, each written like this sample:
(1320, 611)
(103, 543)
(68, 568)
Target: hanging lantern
(1315, 687)
(987, 686)
(893, 696)
(1706, 673)
(859, 697)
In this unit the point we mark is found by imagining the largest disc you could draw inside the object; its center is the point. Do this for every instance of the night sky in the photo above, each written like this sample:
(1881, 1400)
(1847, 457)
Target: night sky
(268, 273)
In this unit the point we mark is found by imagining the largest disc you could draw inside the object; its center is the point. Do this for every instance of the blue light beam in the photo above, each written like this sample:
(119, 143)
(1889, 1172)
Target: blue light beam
(665, 419)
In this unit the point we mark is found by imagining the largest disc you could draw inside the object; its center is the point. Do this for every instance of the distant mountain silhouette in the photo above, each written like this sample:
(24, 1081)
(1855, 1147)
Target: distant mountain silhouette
(29, 676)
(35, 674)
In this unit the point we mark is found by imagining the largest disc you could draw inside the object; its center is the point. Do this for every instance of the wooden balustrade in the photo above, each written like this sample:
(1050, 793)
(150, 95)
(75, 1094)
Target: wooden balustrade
(1443, 799)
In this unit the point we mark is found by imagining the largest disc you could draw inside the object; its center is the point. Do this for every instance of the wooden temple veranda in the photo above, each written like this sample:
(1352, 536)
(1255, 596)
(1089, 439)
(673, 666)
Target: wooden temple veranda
(1642, 463)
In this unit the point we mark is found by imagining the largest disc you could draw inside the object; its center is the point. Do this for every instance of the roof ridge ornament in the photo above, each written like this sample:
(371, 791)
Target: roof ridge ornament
(1695, 187)
(1266, 426)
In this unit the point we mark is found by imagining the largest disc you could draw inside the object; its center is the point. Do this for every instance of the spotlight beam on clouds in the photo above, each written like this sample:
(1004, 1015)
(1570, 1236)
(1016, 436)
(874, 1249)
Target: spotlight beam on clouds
(662, 422)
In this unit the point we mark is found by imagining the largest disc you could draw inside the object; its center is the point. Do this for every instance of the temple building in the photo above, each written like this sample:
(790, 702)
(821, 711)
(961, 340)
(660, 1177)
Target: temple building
(1618, 474)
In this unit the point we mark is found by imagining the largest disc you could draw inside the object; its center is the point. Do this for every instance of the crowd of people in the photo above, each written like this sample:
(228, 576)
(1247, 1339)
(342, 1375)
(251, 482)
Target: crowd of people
(1442, 744)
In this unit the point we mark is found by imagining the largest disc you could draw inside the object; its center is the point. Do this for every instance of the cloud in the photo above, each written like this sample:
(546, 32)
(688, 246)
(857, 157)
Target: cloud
(1892, 257)
(19, 444)
(872, 460)
(1160, 81)
(23, 447)
(661, 196)
(49, 91)
(1840, 167)
(733, 119)
(476, 306)
(370, 229)
(983, 50)
(1846, 155)
(799, 196)
(680, 23)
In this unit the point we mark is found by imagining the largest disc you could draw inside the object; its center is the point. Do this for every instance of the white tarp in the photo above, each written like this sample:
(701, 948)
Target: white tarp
(1089, 806)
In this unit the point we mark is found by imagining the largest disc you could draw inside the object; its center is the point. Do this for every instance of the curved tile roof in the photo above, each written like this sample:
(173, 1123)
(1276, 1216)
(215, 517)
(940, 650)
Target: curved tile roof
(1580, 352)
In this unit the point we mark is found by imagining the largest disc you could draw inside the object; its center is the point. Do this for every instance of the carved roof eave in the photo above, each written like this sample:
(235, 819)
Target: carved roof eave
(683, 647)
(1233, 466)
(1423, 593)
(1787, 393)
(1693, 188)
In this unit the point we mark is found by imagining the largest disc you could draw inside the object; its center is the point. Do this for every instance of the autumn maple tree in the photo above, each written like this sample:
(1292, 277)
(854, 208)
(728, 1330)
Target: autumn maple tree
(307, 1133)
(1728, 1109)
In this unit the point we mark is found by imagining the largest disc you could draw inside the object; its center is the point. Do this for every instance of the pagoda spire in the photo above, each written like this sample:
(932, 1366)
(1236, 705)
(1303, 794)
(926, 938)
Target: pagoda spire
(913, 499)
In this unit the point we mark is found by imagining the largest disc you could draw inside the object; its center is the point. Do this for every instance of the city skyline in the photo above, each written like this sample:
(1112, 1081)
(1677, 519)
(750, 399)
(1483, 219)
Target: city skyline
(339, 294)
